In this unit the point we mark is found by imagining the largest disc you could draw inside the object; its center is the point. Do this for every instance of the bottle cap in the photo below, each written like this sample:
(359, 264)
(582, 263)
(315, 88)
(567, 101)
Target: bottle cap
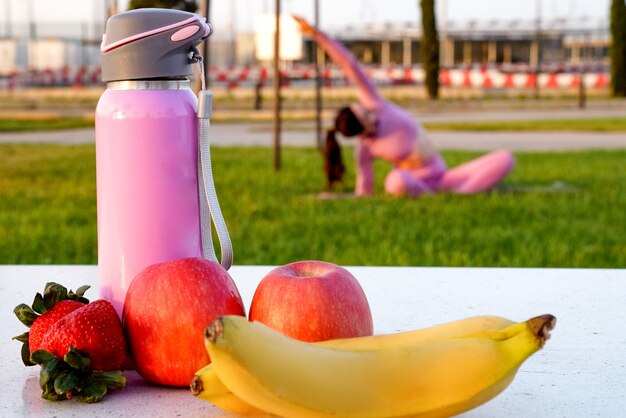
(151, 43)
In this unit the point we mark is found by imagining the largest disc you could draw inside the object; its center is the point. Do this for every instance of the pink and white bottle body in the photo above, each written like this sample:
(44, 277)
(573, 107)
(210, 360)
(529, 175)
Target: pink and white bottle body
(147, 183)
(146, 152)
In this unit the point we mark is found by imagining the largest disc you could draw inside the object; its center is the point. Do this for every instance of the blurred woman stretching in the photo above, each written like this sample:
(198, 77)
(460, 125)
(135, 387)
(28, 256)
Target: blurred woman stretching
(388, 132)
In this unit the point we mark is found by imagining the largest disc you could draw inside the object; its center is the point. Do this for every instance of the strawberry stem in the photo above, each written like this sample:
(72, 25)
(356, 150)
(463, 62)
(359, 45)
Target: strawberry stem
(72, 377)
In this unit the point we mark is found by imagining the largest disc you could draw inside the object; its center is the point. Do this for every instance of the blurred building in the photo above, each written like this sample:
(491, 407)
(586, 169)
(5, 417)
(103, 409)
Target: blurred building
(70, 54)
(555, 43)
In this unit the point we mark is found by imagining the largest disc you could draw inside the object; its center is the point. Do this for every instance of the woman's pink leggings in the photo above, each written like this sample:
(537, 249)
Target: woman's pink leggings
(474, 176)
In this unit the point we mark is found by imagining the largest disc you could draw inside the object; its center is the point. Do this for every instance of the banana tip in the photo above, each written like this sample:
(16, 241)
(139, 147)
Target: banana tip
(196, 386)
(214, 330)
(542, 325)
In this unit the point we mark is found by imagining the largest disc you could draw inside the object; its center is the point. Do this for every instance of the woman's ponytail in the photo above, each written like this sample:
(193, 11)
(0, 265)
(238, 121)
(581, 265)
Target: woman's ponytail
(333, 161)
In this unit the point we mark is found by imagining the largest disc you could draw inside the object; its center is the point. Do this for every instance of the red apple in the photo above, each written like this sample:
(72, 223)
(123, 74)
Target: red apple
(312, 301)
(167, 308)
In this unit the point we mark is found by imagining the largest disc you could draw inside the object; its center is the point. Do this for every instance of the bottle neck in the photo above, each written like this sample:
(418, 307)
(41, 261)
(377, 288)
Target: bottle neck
(156, 84)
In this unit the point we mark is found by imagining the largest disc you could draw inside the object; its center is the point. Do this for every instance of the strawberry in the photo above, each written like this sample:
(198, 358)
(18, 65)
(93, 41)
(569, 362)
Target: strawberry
(46, 309)
(94, 329)
(80, 346)
(46, 320)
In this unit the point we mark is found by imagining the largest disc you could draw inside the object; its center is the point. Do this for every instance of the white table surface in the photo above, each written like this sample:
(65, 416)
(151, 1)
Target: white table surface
(581, 372)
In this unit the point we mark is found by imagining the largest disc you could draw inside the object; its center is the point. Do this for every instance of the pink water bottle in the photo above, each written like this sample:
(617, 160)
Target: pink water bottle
(155, 192)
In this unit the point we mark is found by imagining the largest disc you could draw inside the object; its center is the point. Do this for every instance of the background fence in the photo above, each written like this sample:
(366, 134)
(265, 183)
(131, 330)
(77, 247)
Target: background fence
(246, 76)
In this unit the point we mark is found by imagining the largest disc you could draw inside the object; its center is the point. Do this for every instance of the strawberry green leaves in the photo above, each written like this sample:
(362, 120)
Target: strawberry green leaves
(60, 320)
(42, 307)
(72, 377)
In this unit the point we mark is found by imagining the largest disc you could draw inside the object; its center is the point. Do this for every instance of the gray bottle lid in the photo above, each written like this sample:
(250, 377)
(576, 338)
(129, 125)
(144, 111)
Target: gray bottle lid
(151, 43)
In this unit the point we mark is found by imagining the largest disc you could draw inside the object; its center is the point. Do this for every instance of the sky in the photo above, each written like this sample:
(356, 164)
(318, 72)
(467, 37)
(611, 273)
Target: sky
(228, 15)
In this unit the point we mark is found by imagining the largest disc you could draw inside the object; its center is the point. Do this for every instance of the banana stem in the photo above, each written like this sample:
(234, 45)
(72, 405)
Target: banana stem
(541, 326)
(196, 386)
(214, 330)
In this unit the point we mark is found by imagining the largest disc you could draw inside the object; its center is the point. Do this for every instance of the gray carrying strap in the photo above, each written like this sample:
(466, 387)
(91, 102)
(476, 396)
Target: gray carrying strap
(209, 204)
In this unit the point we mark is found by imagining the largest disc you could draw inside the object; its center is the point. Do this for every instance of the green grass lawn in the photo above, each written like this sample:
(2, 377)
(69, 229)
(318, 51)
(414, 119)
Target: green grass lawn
(45, 124)
(555, 210)
(558, 125)
(570, 125)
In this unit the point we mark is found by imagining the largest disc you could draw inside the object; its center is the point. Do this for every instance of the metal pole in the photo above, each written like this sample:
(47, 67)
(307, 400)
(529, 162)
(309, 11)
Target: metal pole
(111, 8)
(204, 9)
(318, 82)
(581, 88)
(582, 96)
(277, 89)
(233, 30)
(538, 40)
(32, 35)
(444, 34)
(32, 28)
(7, 10)
(205, 46)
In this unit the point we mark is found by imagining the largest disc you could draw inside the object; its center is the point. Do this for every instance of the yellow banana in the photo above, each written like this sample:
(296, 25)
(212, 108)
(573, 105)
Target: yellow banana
(290, 378)
(207, 385)
(447, 330)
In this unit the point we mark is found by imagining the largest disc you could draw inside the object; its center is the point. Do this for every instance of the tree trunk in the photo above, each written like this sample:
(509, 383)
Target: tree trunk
(186, 5)
(618, 48)
(430, 48)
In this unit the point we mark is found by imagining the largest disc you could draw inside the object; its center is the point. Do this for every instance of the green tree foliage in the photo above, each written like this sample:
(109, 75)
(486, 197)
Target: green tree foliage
(430, 48)
(186, 5)
(618, 48)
